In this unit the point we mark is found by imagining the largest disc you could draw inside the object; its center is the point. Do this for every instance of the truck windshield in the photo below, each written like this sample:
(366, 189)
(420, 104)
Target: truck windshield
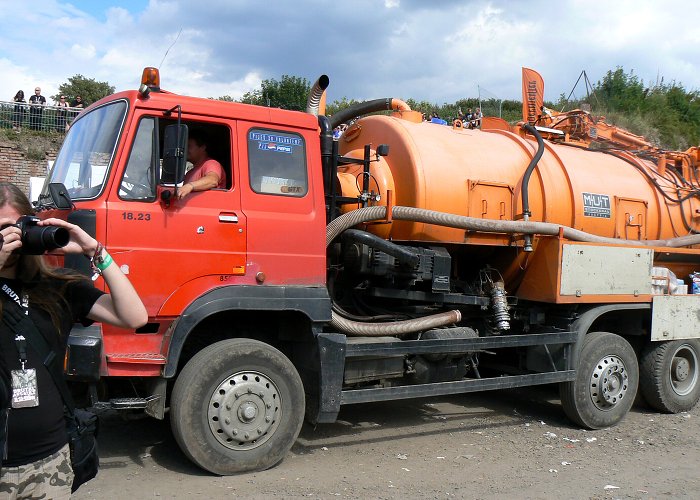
(88, 150)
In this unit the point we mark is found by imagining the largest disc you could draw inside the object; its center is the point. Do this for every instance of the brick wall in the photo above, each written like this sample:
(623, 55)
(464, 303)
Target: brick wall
(15, 167)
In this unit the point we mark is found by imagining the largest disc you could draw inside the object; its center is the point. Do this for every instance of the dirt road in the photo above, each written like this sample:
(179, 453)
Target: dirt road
(495, 445)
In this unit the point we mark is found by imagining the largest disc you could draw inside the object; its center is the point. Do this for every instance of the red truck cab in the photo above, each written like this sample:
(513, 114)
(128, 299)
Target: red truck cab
(265, 230)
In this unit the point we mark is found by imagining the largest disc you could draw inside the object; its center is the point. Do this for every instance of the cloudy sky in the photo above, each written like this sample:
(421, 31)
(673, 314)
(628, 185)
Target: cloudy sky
(434, 50)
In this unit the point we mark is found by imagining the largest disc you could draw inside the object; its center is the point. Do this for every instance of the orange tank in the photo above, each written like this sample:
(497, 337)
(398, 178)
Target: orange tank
(479, 173)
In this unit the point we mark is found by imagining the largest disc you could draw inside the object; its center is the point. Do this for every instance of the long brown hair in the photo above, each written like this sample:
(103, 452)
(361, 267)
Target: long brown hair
(33, 272)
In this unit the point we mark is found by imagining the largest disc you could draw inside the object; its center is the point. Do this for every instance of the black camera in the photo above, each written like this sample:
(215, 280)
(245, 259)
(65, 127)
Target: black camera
(39, 239)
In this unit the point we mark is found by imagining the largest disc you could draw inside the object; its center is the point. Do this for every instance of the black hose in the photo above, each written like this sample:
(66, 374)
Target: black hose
(531, 167)
(359, 109)
(402, 254)
(326, 136)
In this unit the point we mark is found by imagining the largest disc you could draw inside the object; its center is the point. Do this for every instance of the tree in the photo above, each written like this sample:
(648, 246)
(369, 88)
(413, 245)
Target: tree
(87, 88)
(291, 92)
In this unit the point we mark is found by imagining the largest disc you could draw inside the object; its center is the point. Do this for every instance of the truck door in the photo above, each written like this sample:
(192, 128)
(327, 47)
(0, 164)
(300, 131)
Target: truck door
(199, 241)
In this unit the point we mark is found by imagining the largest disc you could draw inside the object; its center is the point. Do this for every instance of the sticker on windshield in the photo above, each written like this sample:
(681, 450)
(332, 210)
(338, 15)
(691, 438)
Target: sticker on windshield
(274, 142)
(279, 185)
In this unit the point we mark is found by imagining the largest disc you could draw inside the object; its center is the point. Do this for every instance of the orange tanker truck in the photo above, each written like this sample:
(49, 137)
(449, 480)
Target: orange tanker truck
(405, 259)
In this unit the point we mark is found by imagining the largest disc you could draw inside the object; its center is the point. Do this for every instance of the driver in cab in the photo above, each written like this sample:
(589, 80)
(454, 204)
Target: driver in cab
(207, 173)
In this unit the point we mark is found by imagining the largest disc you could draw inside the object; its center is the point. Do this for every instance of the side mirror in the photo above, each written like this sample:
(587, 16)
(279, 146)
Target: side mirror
(174, 155)
(59, 196)
(383, 150)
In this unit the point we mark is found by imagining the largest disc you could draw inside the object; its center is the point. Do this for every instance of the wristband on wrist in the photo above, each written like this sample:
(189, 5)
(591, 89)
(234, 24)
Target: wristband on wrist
(100, 262)
(103, 263)
(98, 251)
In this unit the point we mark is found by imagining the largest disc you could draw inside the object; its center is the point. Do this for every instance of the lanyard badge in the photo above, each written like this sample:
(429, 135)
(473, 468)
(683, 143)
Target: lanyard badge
(25, 391)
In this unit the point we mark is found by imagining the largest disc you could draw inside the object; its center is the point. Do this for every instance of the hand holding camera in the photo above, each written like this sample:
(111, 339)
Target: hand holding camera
(36, 239)
(30, 235)
(78, 240)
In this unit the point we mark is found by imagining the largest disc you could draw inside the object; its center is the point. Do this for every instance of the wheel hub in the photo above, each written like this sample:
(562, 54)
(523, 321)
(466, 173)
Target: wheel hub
(680, 368)
(243, 410)
(609, 382)
(684, 370)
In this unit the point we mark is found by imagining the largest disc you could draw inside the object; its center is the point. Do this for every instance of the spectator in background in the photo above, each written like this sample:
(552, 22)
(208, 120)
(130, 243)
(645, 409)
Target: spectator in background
(77, 102)
(467, 122)
(62, 104)
(338, 131)
(436, 119)
(19, 111)
(476, 118)
(36, 109)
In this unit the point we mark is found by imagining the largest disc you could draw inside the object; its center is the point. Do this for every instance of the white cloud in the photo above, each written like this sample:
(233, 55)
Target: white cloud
(83, 52)
(437, 51)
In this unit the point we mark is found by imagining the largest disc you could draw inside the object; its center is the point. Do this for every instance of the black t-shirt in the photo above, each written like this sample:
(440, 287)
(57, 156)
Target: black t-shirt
(35, 433)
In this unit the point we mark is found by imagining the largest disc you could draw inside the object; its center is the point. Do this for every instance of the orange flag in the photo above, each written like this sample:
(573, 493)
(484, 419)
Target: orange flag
(533, 95)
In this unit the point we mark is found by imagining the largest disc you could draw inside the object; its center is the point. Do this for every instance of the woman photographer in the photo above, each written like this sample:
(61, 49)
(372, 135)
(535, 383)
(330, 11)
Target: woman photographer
(38, 459)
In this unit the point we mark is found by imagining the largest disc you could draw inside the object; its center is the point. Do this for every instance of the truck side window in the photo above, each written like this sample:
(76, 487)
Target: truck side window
(277, 162)
(138, 181)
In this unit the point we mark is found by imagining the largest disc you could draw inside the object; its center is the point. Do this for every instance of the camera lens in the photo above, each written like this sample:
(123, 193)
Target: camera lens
(39, 239)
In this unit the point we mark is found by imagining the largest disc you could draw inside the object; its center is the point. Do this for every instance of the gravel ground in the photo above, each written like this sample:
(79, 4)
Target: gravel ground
(507, 444)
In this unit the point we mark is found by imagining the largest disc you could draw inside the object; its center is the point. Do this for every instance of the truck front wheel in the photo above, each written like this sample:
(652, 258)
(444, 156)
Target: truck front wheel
(669, 376)
(237, 406)
(606, 382)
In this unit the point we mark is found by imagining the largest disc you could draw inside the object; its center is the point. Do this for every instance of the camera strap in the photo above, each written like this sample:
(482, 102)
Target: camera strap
(23, 305)
(17, 318)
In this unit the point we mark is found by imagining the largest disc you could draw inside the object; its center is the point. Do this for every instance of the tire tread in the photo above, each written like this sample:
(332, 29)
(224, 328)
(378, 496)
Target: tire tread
(652, 378)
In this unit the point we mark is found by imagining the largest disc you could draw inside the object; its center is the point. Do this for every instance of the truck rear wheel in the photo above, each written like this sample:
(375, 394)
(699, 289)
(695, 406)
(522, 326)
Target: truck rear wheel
(238, 405)
(606, 382)
(669, 375)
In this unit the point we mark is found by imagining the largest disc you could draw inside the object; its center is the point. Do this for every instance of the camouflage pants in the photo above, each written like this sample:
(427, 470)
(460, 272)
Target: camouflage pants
(50, 477)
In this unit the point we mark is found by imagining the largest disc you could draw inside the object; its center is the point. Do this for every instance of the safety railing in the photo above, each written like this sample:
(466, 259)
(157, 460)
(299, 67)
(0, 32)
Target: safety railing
(21, 116)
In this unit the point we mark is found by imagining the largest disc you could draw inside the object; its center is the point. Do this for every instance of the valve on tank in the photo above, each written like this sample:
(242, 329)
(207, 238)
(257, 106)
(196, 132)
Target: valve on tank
(499, 300)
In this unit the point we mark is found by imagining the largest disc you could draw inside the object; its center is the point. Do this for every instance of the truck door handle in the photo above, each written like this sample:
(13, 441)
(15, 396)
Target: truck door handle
(228, 217)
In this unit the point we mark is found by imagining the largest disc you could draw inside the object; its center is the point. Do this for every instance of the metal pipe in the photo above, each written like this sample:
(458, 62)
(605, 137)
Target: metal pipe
(326, 136)
(316, 93)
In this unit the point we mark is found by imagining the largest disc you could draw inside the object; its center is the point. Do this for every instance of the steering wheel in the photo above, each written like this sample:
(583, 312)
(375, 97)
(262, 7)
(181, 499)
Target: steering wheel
(137, 189)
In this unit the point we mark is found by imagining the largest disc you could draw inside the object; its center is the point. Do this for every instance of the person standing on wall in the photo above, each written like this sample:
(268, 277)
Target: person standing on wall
(20, 110)
(75, 103)
(38, 463)
(62, 104)
(36, 109)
